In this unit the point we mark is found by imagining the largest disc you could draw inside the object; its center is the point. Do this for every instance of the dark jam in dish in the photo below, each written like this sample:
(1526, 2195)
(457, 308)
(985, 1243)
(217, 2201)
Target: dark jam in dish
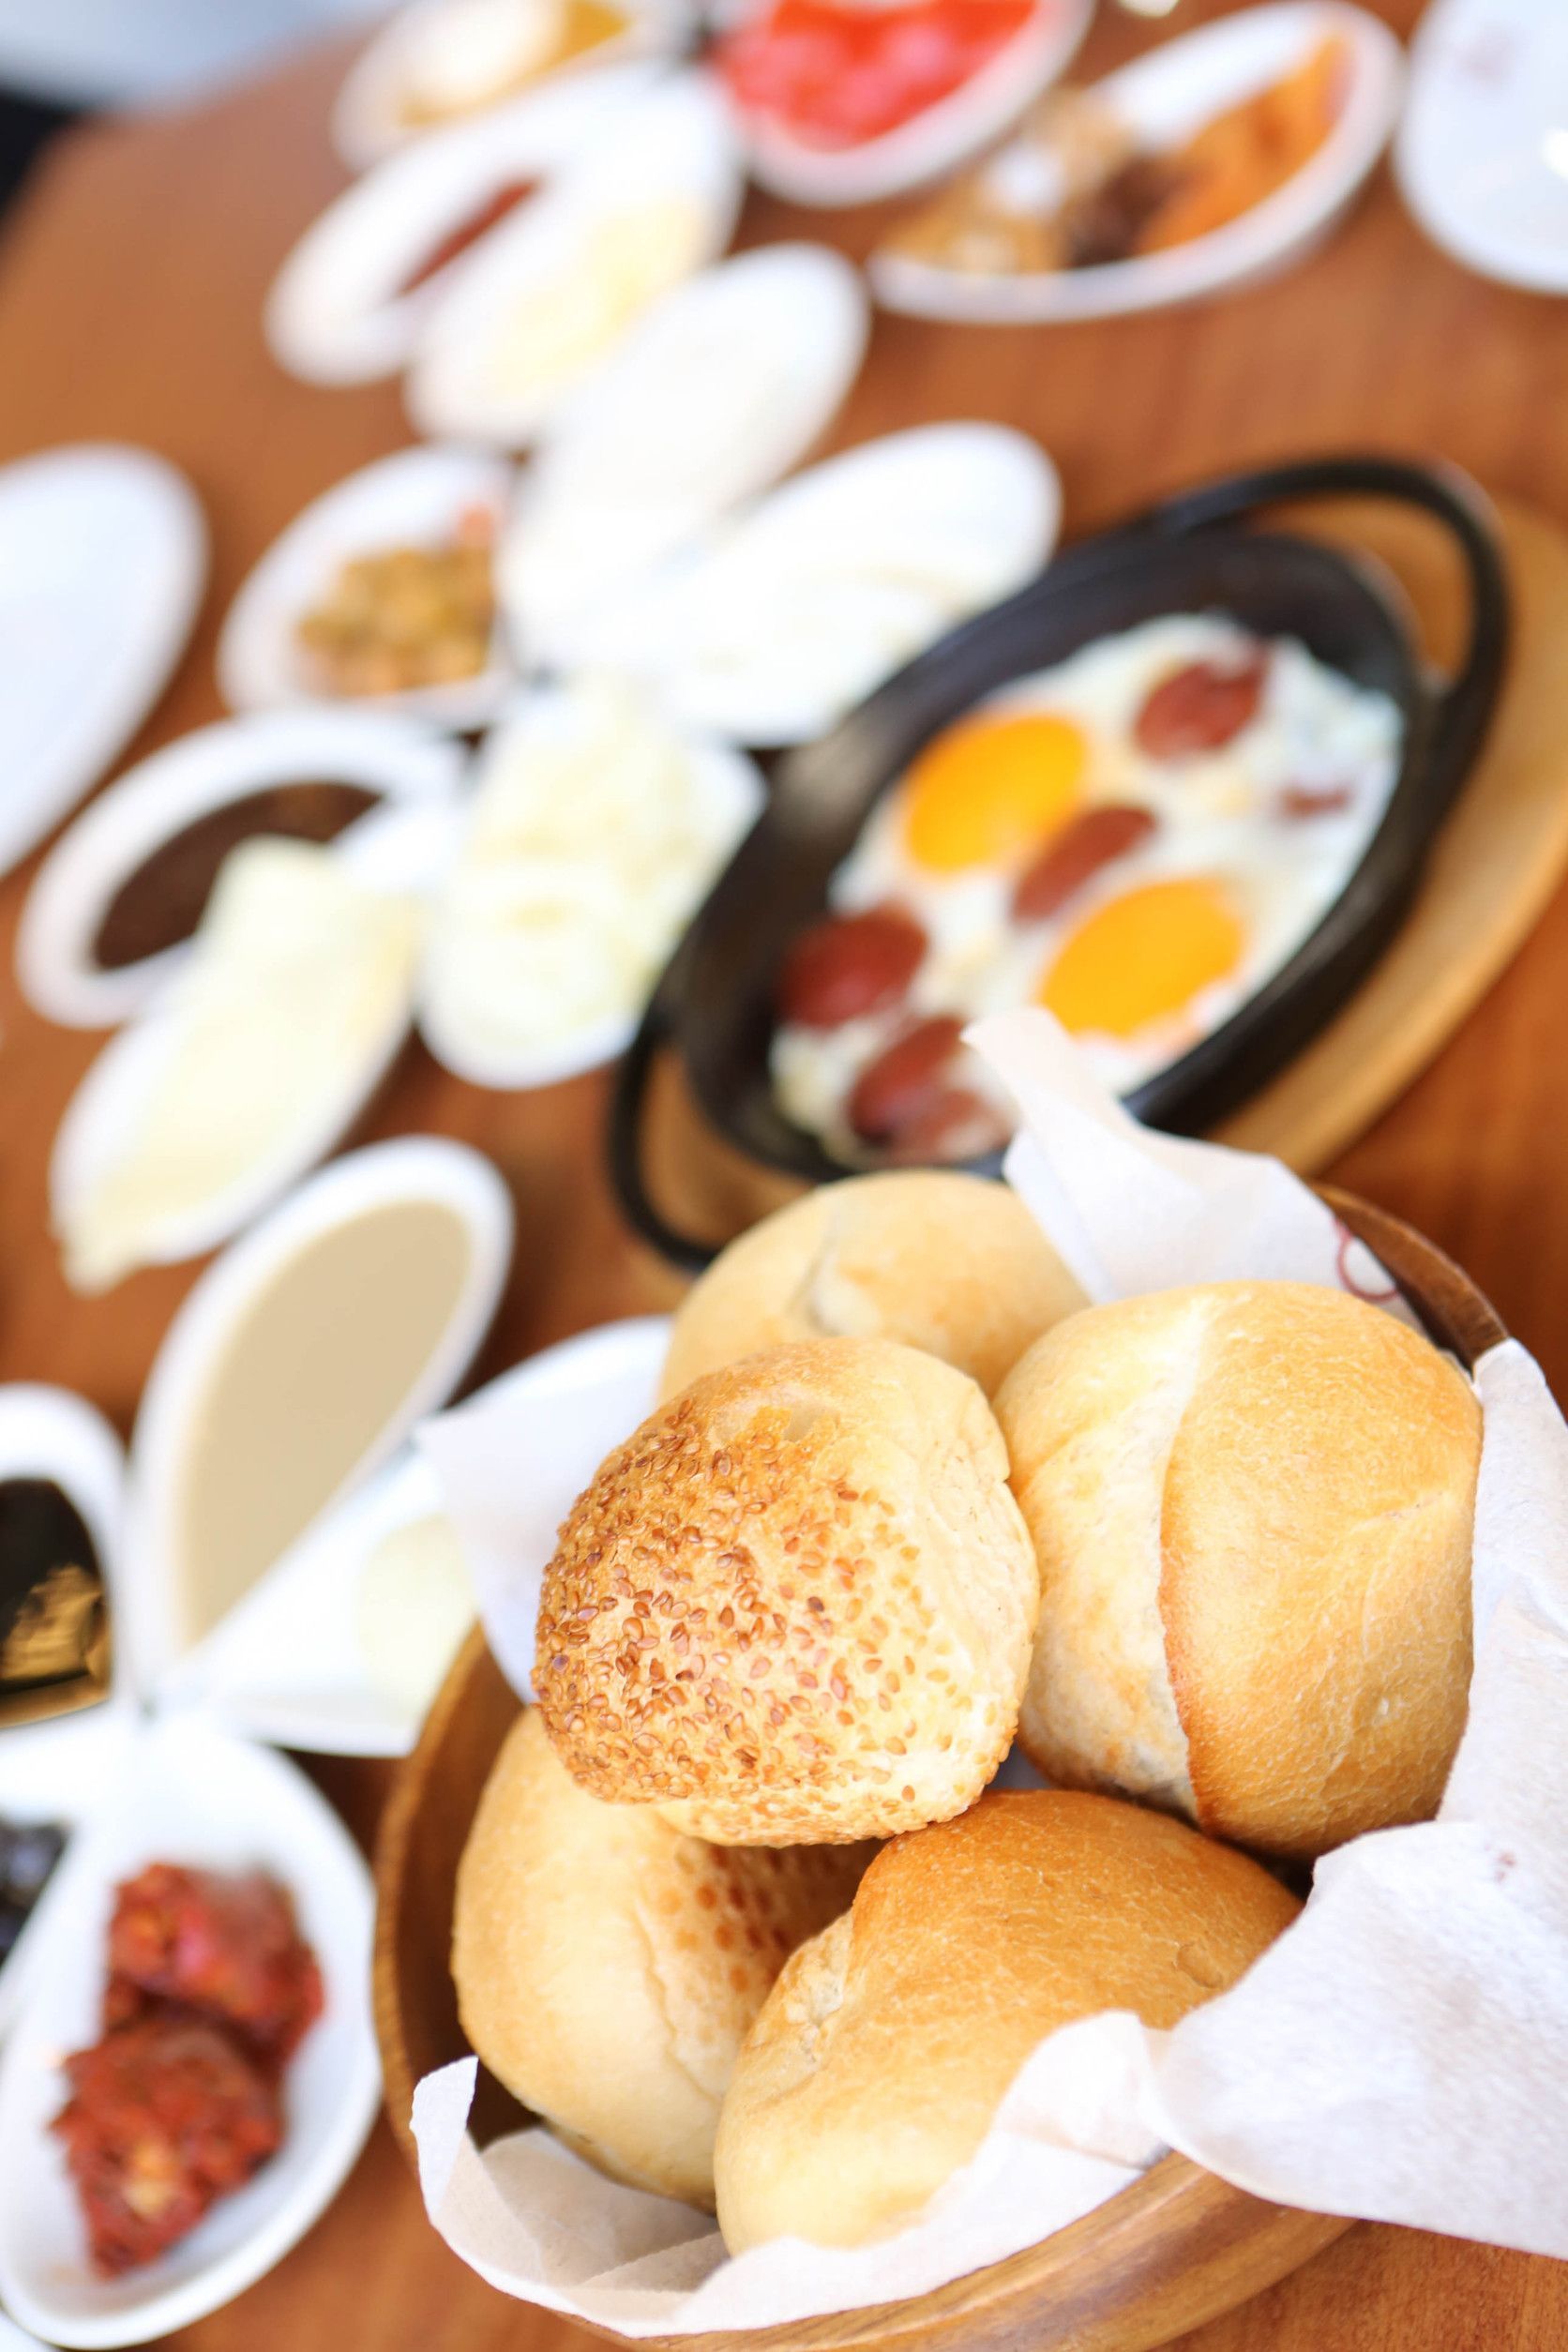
(161, 903)
(488, 216)
(54, 1626)
(28, 1853)
(210, 1989)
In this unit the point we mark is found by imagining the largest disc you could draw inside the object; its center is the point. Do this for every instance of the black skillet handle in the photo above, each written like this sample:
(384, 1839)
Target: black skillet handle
(627, 1108)
(1463, 707)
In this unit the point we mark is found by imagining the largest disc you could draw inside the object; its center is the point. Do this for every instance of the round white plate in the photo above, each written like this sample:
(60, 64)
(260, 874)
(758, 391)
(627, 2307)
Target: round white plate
(1481, 154)
(338, 312)
(59, 1770)
(725, 388)
(407, 763)
(368, 122)
(185, 1793)
(167, 1426)
(413, 498)
(1165, 96)
(672, 146)
(776, 625)
(103, 556)
(936, 139)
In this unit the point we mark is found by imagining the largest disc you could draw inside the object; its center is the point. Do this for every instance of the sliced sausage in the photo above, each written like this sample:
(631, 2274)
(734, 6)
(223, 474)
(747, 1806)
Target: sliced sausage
(850, 965)
(1084, 844)
(1202, 707)
(1302, 801)
(899, 1086)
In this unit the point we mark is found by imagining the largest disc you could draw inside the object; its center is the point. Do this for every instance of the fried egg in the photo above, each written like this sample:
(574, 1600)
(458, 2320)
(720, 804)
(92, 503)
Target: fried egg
(1136, 839)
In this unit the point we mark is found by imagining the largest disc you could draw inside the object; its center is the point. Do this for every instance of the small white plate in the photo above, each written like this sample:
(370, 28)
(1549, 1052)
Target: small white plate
(257, 1676)
(168, 1425)
(416, 497)
(1481, 154)
(935, 140)
(778, 625)
(337, 312)
(728, 789)
(58, 1771)
(719, 393)
(185, 1793)
(369, 123)
(163, 794)
(103, 557)
(673, 145)
(1163, 98)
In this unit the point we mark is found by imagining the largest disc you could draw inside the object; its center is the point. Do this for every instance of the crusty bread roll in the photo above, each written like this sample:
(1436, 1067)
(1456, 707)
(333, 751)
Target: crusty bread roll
(942, 1260)
(880, 2055)
(796, 1606)
(607, 1967)
(1252, 1504)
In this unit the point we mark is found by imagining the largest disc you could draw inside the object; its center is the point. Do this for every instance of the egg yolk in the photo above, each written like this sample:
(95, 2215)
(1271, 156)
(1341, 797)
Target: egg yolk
(1144, 956)
(987, 791)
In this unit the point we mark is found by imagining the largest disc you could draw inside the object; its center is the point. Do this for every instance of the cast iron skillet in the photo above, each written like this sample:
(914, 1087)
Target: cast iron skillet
(713, 1006)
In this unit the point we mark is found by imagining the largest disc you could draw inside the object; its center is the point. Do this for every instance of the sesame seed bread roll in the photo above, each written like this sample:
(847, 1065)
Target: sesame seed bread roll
(941, 1260)
(1252, 1504)
(882, 2053)
(607, 1967)
(796, 1606)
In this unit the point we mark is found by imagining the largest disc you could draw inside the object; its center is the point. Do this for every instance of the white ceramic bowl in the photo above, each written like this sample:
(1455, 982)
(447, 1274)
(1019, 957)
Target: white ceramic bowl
(722, 390)
(338, 312)
(163, 794)
(1481, 153)
(103, 557)
(1163, 98)
(368, 121)
(57, 1772)
(185, 1793)
(773, 628)
(411, 1169)
(935, 140)
(672, 145)
(414, 497)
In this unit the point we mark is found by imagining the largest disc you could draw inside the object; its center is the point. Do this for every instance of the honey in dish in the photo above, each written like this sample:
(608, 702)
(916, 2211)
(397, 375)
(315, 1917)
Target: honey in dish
(306, 1380)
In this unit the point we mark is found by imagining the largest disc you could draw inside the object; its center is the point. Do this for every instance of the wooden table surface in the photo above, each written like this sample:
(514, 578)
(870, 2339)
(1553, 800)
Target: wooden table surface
(131, 280)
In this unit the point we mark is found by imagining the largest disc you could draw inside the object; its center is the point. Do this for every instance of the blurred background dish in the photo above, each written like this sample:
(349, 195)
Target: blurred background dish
(381, 592)
(1481, 154)
(445, 61)
(103, 557)
(1214, 158)
(112, 907)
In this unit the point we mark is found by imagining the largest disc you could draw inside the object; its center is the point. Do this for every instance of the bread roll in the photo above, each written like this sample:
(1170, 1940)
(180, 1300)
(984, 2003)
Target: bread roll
(883, 2052)
(796, 1605)
(1252, 1504)
(941, 1260)
(607, 1967)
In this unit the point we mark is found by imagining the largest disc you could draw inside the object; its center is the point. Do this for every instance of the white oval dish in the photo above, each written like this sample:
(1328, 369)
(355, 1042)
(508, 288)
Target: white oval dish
(415, 1168)
(1481, 151)
(414, 497)
(337, 312)
(934, 140)
(670, 156)
(255, 1675)
(1165, 96)
(185, 1793)
(163, 794)
(477, 992)
(369, 122)
(719, 393)
(58, 1771)
(109, 1101)
(776, 625)
(103, 558)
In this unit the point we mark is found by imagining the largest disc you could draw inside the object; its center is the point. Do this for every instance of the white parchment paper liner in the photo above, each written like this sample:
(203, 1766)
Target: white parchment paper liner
(1400, 2054)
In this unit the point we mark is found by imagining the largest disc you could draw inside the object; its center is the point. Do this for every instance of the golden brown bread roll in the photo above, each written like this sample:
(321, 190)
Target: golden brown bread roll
(1252, 1504)
(797, 1605)
(607, 1967)
(878, 2060)
(936, 1258)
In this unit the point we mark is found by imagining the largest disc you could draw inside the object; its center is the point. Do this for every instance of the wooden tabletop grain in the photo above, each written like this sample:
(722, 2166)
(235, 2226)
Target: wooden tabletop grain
(131, 280)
